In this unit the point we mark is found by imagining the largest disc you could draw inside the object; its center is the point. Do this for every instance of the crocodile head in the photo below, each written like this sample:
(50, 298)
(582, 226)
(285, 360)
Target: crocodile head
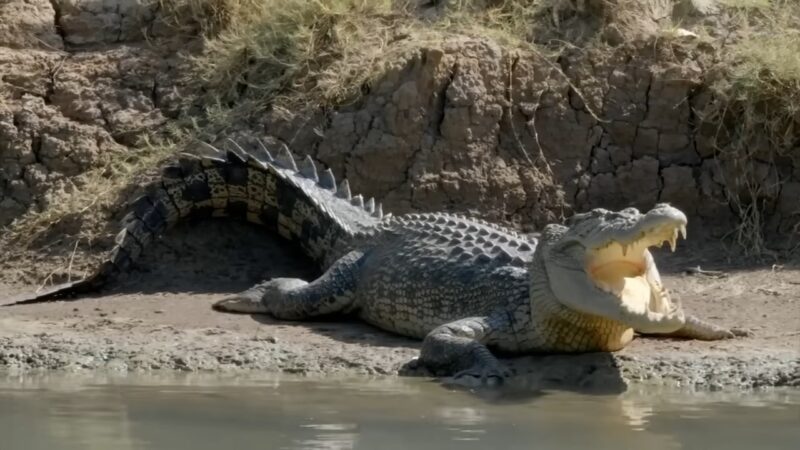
(600, 263)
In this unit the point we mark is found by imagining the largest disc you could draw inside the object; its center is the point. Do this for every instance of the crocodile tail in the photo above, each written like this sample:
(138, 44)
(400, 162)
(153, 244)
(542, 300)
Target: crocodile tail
(283, 194)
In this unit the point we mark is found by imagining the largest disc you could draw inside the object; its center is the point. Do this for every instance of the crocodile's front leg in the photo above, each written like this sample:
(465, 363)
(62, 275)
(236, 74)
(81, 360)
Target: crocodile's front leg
(458, 349)
(695, 328)
(295, 299)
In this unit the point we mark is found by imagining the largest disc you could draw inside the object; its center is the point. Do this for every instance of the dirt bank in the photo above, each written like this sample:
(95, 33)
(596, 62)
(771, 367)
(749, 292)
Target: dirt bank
(452, 119)
(160, 319)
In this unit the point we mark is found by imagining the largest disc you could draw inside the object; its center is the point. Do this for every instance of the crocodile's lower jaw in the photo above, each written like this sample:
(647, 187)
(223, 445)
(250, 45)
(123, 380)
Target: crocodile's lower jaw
(628, 271)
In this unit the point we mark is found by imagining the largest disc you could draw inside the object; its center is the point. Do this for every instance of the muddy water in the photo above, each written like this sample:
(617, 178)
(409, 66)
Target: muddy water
(196, 413)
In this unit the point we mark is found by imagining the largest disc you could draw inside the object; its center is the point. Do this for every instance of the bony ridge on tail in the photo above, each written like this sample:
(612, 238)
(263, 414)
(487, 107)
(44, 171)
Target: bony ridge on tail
(462, 285)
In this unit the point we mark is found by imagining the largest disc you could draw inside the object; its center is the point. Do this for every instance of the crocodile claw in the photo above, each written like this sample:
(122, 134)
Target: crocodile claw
(741, 332)
(241, 303)
(480, 376)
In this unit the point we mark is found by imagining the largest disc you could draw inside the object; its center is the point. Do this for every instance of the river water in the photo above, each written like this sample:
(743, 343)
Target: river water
(232, 413)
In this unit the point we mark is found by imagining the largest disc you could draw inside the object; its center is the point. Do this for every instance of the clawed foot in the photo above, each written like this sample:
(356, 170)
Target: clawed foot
(716, 333)
(480, 376)
(741, 332)
(724, 333)
(256, 299)
(244, 302)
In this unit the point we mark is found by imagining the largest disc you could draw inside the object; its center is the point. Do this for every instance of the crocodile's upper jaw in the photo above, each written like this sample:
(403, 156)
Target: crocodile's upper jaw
(626, 268)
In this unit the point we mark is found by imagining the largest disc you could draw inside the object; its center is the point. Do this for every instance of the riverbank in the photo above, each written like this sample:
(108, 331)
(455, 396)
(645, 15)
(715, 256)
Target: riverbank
(160, 319)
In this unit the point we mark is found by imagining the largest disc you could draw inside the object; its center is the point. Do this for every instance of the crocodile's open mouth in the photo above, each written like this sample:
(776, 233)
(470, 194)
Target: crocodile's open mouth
(625, 268)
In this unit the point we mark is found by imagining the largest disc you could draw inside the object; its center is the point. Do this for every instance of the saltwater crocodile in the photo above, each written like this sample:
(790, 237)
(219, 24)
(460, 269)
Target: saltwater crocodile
(462, 285)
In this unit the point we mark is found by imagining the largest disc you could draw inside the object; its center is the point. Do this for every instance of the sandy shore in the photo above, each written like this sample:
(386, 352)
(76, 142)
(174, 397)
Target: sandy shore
(160, 319)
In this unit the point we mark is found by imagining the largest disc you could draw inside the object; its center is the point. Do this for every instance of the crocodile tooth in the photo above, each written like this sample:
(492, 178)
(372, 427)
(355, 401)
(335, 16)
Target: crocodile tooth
(682, 229)
(308, 169)
(673, 242)
(285, 159)
(624, 249)
(344, 190)
(327, 180)
(369, 206)
(266, 152)
(378, 211)
(358, 201)
(388, 216)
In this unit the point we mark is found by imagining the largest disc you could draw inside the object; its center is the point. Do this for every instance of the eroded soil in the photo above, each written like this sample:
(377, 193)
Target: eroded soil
(160, 318)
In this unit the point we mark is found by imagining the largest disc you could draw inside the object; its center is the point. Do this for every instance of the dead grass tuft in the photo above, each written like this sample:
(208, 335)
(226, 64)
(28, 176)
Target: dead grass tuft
(297, 52)
(757, 107)
(304, 55)
(90, 198)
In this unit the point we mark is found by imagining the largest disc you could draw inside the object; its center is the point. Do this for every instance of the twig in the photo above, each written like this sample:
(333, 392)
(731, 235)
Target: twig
(709, 273)
(570, 83)
(511, 64)
(541, 156)
(46, 279)
(71, 259)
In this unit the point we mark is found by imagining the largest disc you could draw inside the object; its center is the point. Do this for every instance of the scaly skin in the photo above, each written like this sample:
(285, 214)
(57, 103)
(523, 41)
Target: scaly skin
(461, 285)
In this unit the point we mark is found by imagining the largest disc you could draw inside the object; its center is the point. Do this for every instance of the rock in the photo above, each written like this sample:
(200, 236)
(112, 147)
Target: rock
(601, 162)
(640, 182)
(679, 188)
(61, 113)
(646, 142)
(29, 24)
(105, 22)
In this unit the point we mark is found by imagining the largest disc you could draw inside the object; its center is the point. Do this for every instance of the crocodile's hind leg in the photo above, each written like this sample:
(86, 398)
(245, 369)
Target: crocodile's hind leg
(295, 299)
(459, 349)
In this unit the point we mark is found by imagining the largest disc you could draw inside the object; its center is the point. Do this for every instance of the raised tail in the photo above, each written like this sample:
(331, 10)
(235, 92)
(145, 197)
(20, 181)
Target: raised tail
(292, 198)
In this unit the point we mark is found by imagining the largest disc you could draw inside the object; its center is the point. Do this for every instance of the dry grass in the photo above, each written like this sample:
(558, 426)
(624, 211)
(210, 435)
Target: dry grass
(91, 196)
(297, 52)
(757, 106)
(310, 54)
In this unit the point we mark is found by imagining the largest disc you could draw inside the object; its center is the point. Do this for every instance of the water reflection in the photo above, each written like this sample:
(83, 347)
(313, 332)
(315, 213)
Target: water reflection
(463, 422)
(329, 436)
(296, 413)
(635, 414)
